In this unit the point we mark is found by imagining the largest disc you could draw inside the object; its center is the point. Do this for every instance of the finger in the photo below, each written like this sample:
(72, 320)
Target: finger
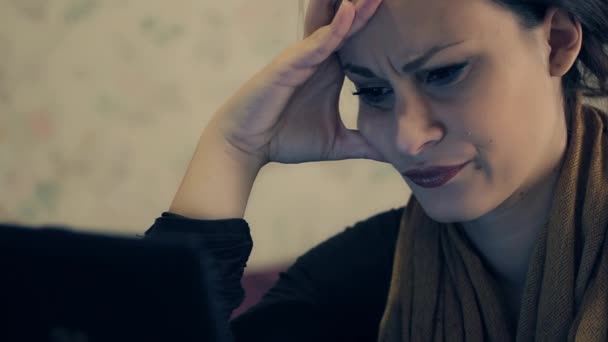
(365, 9)
(322, 43)
(350, 144)
(318, 14)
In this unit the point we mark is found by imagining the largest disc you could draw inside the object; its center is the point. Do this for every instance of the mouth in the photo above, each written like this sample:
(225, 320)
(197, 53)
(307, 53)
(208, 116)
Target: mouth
(434, 177)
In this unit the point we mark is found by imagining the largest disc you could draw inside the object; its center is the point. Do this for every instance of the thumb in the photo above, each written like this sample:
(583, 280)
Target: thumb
(350, 144)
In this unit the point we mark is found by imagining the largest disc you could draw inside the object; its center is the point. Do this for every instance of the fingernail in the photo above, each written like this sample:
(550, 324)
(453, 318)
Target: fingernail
(342, 4)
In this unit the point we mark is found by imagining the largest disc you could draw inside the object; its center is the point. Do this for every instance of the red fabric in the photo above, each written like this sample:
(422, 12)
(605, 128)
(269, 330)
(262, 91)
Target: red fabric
(256, 284)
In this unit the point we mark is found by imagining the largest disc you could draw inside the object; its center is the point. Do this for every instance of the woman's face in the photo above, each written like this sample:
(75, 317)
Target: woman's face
(485, 96)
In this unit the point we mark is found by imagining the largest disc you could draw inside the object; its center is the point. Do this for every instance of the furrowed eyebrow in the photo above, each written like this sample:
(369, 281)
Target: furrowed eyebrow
(408, 68)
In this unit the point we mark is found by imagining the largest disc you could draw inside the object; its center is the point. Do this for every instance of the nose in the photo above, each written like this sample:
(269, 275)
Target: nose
(417, 131)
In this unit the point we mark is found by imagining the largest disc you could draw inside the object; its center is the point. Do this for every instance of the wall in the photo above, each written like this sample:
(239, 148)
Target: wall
(102, 102)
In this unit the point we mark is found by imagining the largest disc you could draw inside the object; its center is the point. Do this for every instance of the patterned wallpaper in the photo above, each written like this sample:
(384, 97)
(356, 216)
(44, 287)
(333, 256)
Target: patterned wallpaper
(102, 103)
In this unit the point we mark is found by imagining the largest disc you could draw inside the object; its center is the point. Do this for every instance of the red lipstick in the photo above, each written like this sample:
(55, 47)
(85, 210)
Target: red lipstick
(435, 176)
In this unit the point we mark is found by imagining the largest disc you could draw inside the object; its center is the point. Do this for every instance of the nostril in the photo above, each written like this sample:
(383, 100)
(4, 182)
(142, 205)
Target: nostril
(414, 147)
(411, 149)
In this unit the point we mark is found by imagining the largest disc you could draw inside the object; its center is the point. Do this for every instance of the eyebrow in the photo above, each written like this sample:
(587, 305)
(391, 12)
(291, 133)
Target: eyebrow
(408, 68)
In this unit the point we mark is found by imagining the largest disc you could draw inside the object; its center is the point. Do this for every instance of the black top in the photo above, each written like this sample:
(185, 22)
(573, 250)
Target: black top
(336, 291)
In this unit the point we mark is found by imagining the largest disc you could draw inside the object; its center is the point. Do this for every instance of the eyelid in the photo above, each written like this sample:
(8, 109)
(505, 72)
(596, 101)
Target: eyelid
(458, 65)
(371, 85)
(459, 70)
(366, 90)
(421, 74)
(423, 71)
(362, 92)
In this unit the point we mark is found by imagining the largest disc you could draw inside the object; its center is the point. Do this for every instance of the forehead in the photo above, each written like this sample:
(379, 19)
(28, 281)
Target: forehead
(408, 27)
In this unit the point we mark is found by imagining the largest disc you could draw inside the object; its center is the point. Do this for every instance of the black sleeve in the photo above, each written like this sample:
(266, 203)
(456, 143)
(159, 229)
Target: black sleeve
(335, 292)
(227, 245)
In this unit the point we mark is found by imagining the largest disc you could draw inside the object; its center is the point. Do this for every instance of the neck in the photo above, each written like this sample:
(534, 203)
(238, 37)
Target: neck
(506, 237)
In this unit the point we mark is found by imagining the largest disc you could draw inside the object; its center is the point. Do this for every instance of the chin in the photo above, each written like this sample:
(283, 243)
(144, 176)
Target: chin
(451, 212)
(457, 202)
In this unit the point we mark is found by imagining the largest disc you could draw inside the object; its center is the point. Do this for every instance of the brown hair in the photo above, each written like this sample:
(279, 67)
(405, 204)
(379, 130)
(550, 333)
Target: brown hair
(589, 76)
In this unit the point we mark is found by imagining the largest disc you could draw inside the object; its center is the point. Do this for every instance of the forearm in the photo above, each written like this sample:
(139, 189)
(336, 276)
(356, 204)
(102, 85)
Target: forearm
(218, 181)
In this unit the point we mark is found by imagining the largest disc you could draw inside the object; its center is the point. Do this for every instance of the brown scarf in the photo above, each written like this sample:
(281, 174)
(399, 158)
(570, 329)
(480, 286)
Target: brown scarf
(441, 289)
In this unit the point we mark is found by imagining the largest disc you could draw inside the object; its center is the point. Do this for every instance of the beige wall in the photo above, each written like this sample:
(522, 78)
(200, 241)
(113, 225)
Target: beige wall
(101, 104)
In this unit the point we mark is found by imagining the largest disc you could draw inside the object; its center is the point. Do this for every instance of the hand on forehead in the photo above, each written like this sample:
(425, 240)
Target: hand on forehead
(321, 12)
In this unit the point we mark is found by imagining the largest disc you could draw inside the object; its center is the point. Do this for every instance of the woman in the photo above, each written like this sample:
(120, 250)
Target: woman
(478, 104)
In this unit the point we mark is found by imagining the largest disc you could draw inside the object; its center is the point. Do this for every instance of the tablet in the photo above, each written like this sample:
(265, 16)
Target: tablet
(67, 286)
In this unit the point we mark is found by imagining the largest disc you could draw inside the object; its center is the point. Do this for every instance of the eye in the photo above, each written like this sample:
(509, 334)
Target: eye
(374, 96)
(447, 75)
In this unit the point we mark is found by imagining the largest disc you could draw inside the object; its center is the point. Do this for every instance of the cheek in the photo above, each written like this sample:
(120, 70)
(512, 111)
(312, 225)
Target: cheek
(375, 126)
(379, 129)
(492, 138)
(503, 137)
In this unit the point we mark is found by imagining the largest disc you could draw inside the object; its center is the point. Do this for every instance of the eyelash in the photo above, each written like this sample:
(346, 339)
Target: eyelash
(368, 94)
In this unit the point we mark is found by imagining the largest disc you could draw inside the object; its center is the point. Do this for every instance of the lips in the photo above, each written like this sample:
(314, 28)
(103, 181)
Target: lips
(433, 177)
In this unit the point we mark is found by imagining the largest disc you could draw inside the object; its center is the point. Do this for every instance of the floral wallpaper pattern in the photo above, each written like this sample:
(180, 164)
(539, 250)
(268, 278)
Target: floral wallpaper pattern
(102, 102)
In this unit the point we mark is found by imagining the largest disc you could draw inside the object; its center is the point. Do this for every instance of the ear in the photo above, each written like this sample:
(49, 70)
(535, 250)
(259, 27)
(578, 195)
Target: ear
(565, 39)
